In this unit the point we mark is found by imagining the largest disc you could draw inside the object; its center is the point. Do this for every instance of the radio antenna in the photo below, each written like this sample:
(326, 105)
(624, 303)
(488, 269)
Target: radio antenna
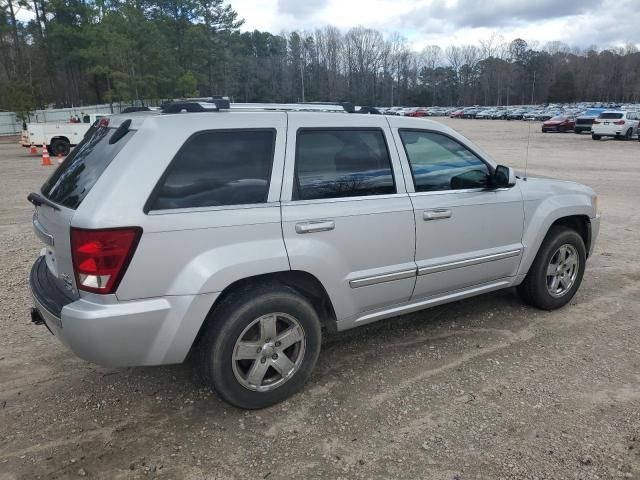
(526, 158)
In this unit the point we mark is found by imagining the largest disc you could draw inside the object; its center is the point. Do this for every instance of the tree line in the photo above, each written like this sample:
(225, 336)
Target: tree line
(80, 52)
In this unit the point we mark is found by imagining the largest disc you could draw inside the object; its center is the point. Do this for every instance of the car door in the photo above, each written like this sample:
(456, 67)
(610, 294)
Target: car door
(466, 234)
(346, 216)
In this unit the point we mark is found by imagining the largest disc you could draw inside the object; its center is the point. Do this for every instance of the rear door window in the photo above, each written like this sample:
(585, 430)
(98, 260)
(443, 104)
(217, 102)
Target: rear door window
(79, 172)
(218, 168)
(334, 163)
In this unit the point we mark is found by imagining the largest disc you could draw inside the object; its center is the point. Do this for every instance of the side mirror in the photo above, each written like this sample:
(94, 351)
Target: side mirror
(503, 177)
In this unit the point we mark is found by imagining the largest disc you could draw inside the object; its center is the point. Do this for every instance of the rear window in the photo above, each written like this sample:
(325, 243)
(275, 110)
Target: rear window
(218, 168)
(79, 172)
(611, 116)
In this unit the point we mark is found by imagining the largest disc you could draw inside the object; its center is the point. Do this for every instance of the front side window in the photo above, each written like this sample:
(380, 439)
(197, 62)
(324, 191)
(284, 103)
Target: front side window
(441, 163)
(334, 163)
(218, 168)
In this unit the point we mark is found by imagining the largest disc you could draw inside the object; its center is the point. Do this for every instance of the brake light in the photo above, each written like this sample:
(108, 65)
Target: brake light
(101, 257)
(619, 122)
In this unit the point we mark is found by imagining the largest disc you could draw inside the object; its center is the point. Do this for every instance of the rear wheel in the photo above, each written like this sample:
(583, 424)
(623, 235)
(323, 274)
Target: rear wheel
(557, 271)
(595, 137)
(260, 347)
(629, 134)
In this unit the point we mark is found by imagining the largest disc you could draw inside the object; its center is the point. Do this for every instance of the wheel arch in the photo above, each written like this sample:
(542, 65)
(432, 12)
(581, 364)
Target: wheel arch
(60, 137)
(302, 282)
(577, 219)
(579, 223)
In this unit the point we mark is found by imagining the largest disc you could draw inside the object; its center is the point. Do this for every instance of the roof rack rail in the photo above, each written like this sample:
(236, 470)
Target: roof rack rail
(210, 105)
(297, 107)
(216, 104)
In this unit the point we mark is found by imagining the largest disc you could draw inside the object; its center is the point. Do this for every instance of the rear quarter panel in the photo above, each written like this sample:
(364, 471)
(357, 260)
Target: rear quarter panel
(187, 251)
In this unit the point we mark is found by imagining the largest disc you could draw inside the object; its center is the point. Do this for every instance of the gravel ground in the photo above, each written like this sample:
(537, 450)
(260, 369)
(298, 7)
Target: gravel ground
(479, 389)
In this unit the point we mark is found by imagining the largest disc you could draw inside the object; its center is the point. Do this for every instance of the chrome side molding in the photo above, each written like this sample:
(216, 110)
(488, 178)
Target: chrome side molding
(468, 262)
(387, 277)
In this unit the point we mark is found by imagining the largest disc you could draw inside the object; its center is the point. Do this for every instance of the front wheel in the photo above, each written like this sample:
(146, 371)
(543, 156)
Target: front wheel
(557, 271)
(595, 137)
(260, 347)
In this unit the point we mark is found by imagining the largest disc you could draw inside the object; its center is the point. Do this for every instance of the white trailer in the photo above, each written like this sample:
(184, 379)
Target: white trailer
(60, 136)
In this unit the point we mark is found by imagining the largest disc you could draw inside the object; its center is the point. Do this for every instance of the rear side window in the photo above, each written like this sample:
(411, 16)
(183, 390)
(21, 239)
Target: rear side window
(611, 116)
(218, 168)
(79, 172)
(334, 163)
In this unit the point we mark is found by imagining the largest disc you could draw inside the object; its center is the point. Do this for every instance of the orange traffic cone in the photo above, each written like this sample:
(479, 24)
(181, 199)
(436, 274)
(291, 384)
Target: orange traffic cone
(46, 161)
(59, 158)
(33, 149)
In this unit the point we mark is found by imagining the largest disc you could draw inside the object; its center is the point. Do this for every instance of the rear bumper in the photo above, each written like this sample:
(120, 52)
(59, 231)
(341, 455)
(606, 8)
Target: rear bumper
(154, 331)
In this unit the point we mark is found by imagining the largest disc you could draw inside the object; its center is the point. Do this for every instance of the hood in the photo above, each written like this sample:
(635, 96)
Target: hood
(535, 187)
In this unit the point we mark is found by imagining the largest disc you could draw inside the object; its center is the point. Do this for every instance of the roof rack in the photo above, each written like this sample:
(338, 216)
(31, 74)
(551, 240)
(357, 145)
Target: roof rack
(296, 107)
(211, 105)
(216, 104)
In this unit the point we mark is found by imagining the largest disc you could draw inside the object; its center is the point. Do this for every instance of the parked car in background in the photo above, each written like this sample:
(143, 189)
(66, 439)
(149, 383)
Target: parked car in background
(516, 114)
(560, 123)
(470, 112)
(282, 222)
(585, 120)
(457, 113)
(616, 124)
(417, 112)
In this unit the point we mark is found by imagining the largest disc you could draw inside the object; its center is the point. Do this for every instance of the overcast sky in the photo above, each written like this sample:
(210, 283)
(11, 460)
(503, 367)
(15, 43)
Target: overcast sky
(579, 23)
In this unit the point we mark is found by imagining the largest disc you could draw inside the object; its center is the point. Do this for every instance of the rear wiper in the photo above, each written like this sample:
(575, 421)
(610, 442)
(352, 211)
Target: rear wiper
(38, 200)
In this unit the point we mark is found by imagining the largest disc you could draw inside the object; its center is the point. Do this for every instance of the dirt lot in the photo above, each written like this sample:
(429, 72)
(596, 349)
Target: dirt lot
(483, 388)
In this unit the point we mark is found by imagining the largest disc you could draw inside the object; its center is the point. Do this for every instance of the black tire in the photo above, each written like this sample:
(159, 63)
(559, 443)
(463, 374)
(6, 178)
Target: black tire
(595, 137)
(226, 324)
(629, 134)
(60, 146)
(533, 290)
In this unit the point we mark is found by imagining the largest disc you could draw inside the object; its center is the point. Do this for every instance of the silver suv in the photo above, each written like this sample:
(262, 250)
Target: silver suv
(238, 233)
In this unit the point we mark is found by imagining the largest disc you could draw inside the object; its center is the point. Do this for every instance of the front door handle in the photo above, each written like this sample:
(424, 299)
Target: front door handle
(436, 214)
(315, 226)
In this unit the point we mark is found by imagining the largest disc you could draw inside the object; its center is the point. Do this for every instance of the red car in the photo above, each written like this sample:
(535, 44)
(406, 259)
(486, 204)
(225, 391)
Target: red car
(559, 124)
(418, 112)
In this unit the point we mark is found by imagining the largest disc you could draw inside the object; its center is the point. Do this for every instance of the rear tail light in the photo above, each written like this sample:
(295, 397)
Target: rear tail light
(101, 257)
(619, 122)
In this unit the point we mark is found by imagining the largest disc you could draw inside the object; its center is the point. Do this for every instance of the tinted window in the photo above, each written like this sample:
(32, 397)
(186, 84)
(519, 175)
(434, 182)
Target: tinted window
(611, 116)
(440, 163)
(219, 168)
(75, 177)
(342, 163)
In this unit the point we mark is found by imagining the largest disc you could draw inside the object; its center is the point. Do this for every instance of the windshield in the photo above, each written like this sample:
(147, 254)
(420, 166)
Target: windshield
(558, 119)
(611, 115)
(75, 177)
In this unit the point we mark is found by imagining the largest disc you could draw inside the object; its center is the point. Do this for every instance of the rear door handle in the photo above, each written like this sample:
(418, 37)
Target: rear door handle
(315, 226)
(436, 214)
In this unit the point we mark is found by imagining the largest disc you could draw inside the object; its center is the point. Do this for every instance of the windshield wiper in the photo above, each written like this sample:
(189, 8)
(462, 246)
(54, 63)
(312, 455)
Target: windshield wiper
(38, 200)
